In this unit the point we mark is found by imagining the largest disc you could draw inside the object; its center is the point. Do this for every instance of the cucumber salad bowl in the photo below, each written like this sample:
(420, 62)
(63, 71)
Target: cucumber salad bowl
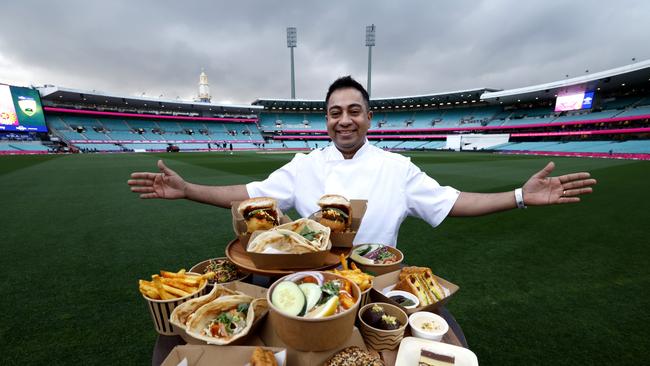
(313, 311)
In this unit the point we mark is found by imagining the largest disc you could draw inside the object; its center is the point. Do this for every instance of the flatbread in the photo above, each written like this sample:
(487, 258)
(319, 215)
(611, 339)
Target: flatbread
(288, 238)
(183, 312)
(204, 315)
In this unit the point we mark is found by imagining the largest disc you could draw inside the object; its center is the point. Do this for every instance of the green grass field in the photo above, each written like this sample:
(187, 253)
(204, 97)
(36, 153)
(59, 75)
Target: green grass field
(563, 285)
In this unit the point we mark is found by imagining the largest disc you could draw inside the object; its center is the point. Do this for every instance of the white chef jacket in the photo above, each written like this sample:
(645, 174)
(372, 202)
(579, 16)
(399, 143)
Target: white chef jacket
(393, 186)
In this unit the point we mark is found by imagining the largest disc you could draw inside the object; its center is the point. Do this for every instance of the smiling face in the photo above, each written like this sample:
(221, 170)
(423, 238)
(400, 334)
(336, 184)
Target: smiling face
(348, 120)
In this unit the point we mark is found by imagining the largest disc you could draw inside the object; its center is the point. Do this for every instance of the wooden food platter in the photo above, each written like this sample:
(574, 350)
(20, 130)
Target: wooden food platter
(238, 255)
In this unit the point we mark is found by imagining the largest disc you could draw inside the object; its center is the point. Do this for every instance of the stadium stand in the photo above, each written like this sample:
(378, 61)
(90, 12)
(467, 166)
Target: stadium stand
(618, 122)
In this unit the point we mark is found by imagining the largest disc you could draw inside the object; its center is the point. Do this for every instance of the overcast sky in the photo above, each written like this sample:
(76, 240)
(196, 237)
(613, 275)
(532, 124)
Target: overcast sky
(422, 47)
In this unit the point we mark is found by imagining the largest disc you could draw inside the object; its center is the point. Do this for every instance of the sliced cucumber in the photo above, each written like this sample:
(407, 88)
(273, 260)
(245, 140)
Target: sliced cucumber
(312, 292)
(288, 297)
(359, 258)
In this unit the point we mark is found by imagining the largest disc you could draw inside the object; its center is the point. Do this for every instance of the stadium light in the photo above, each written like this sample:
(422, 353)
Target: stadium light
(292, 41)
(370, 43)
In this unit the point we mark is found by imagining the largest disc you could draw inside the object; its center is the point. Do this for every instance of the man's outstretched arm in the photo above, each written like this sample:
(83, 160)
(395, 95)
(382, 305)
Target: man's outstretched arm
(539, 190)
(169, 185)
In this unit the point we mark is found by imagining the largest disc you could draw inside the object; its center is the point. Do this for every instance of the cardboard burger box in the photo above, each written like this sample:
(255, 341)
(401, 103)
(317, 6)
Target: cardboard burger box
(215, 355)
(346, 239)
(248, 289)
(239, 224)
(391, 279)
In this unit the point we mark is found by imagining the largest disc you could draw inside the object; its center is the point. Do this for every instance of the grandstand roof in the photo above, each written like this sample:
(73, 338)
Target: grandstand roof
(446, 98)
(625, 76)
(56, 95)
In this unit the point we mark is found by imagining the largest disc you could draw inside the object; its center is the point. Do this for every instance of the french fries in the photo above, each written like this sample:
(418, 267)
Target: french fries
(363, 280)
(173, 285)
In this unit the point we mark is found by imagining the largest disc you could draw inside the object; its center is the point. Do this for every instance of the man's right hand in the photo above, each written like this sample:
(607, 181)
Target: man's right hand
(166, 184)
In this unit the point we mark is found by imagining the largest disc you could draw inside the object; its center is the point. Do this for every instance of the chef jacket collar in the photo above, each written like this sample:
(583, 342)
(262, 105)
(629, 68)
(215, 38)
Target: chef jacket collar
(334, 154)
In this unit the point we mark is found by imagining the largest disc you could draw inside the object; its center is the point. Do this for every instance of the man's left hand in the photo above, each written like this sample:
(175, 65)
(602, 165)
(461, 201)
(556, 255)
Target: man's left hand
(541, 189)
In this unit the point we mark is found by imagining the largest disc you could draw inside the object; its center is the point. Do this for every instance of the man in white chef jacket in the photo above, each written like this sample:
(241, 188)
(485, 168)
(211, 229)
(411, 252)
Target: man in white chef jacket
(352, 167)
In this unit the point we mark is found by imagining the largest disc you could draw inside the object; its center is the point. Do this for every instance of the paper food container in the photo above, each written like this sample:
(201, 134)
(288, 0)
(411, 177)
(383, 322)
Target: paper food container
(308, 334)
(386, 282)
(286, 261)
(211, 355)
(380, 339)
(161, 309)
(379, 269)
(309, 358)
(239, 224)
(200, 268)
(248, 289)
(346, 239)
(365, 297)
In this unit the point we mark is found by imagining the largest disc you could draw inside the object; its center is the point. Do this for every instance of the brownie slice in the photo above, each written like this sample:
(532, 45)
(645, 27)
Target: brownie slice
(430, 358)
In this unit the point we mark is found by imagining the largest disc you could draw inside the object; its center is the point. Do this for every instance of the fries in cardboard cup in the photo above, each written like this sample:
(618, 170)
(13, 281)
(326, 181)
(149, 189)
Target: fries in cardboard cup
(173, 285)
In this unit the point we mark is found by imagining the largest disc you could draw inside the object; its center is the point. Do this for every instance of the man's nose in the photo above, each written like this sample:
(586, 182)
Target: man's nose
(346, 119)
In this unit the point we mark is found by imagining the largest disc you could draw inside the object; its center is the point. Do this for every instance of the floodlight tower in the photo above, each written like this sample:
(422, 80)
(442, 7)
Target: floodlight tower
(370, 43)
(291, 43)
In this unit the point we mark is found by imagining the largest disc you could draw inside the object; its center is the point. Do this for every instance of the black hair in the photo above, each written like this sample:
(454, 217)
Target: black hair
(348, 82)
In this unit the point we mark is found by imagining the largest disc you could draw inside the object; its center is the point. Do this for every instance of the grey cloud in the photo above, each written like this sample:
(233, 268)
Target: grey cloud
(422, 46)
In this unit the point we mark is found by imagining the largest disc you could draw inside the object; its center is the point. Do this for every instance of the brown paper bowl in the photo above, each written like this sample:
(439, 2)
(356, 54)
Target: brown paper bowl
(161, 309)
(380, 269)
(314, 334)
(379, 339)
(200, 267)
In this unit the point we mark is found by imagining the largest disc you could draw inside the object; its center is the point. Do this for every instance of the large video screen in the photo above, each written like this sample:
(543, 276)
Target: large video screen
(574, 99)
(21, 110)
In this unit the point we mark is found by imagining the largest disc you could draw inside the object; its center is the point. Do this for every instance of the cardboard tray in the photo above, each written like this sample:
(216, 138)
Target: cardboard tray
(287, 261)
(304, 358)
(213, 355)
(251, 290)
(388, 279)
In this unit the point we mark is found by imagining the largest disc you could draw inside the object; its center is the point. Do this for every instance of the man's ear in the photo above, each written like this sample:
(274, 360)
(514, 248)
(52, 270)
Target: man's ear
(370, 115)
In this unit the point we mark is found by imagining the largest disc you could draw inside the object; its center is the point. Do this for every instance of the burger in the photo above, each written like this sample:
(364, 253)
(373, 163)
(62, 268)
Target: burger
(336, 212)
(260, 213)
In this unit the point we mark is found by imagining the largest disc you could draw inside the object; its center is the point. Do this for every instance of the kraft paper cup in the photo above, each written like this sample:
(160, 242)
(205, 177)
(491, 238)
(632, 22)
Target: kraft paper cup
(306, 334)
(365, 297)
(161, 310)
(379, 339)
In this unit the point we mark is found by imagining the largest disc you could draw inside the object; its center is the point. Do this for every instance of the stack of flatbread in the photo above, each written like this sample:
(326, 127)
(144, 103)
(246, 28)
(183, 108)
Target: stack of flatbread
(297, 237)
